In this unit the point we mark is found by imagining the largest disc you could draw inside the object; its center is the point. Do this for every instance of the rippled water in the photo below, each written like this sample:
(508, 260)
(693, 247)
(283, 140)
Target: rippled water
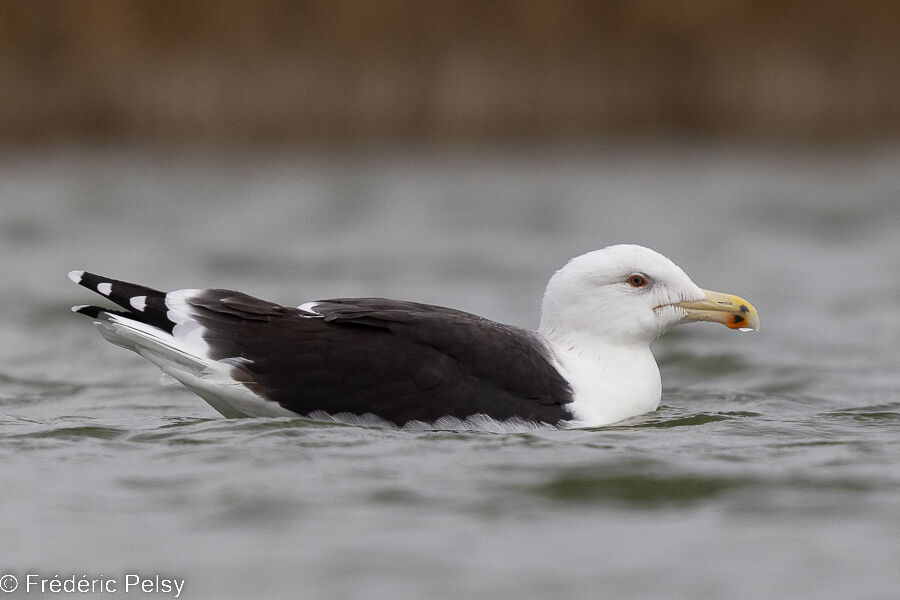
(772, 470)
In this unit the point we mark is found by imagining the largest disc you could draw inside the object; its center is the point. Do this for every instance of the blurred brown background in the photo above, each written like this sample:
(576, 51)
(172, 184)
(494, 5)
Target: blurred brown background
(414, 70)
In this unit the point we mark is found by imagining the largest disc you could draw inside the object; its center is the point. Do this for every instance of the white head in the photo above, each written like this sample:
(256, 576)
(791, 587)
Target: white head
(629, 295)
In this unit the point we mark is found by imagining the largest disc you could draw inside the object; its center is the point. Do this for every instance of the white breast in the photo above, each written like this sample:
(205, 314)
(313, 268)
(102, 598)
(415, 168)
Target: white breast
(609, 384)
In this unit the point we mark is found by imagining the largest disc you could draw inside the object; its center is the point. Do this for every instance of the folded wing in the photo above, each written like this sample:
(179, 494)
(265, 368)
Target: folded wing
(400, 361)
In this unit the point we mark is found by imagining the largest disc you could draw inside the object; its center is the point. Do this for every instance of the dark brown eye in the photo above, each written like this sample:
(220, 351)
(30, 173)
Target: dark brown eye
(637, 280)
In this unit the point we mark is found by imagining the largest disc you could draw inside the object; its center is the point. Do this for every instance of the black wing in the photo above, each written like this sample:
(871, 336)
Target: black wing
(400, 361)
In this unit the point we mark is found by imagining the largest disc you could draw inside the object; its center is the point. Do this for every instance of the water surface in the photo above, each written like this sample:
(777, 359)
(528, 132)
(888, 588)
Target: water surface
(771, 470)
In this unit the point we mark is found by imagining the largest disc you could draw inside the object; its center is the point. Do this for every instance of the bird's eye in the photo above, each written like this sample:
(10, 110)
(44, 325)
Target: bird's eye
(636, 280)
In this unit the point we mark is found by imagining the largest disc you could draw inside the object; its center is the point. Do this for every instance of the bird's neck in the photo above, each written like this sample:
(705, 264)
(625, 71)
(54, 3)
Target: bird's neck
(610, 382)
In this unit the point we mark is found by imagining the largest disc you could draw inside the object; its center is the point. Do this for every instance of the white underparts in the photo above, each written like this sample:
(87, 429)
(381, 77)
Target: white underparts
(609, 384)
(472, 423)
(184, 356)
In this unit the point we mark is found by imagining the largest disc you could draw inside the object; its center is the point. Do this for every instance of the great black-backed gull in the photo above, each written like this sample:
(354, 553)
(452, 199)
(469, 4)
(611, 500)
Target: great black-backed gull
(376, 360)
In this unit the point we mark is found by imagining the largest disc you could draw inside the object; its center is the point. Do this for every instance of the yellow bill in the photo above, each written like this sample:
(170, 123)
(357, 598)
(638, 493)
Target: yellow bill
(732, 311)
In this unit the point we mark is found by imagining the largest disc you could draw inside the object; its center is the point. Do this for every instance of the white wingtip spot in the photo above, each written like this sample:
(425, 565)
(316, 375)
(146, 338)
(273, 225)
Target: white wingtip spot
(139, 302)
(77, 308)
(104, 288)
(309, 307)
(76, 276)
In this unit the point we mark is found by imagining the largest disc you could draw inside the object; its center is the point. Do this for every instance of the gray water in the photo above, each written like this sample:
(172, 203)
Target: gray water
(771, 470)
